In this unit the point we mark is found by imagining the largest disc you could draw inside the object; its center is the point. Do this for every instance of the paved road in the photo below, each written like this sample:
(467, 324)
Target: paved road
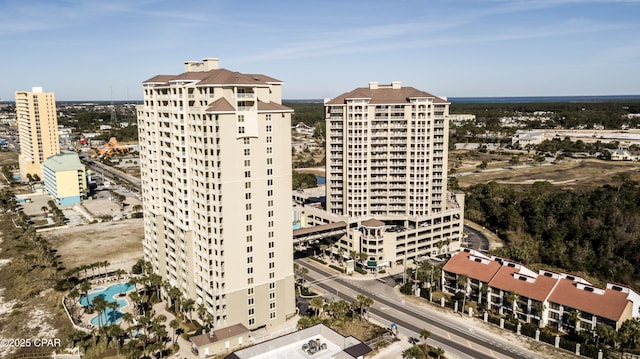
(476, 240)
(458, 336)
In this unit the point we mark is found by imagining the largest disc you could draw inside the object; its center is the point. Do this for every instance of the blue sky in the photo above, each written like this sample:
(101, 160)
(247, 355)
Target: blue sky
(95, 50)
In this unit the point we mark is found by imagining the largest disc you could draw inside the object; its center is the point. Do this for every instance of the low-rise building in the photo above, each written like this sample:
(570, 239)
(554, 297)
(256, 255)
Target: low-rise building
(542, 297)
(65, 178)
(318, 341)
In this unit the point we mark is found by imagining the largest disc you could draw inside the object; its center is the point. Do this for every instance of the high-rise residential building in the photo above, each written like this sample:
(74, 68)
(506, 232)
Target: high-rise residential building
(386, 175)
(37, 120)
(215, 160)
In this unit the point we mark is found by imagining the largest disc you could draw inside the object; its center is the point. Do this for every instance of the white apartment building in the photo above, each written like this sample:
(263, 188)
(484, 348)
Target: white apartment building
(38, 129)
(386, 174)
(215, 159)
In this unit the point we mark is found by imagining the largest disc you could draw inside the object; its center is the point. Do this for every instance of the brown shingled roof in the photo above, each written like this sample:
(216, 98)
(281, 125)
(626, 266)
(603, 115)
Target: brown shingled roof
(384, 95)
(610, 305)
(373, 223)
(220, 334)
(272, 106)
(219, 76)
(220, 105)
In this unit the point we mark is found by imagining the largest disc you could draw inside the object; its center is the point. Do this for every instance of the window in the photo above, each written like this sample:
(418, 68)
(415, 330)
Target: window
(269, 149)
(269, 139)
(269, 161)
(250, 301)
(268, 117)
(240, 129)
(272, 265)
(272, 286)
(272, 275)
(249, 238)
(249, 249)
(270, 193)
(269, 213)
(252, 321)
(269, 171)
(247, 185)
(240, 118)
(270, 224)
(251, 311)
(247, 152)
(272, 244)
(249, 228)
(272, 295)
(269, 182)
(247, 206)
(247, 174)
(249, 260)
(250, 291)
(271, 255)
(272, 315)
(272, 305)
(270, 203)
(248, 216)
(250, 280)
(250, 270)
(247, 196)
(268, 128)
(246, 141)
(247, 163)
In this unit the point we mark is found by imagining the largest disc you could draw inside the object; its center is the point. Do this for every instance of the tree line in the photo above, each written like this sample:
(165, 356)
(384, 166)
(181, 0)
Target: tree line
(595, 232)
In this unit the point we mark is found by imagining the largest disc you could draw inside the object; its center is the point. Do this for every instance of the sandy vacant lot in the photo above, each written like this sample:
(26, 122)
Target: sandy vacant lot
(118, 242)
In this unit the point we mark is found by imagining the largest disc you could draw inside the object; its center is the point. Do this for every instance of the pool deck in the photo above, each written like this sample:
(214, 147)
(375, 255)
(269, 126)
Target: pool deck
(83, 318)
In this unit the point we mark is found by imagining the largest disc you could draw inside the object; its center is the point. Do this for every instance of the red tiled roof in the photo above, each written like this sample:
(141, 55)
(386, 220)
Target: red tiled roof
(461, 263)
(384, 95)
(538, 290)
(611, 304)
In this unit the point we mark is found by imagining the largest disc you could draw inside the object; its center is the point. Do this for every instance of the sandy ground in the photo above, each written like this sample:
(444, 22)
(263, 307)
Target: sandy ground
(119, 242)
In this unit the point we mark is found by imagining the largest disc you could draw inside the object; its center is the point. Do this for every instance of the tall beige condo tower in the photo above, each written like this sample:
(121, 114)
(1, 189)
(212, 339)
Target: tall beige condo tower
(386, 175)
(215, 152)
(38, 129)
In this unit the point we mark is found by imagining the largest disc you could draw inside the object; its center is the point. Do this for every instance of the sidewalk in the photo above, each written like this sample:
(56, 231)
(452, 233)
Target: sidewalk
(185, 346)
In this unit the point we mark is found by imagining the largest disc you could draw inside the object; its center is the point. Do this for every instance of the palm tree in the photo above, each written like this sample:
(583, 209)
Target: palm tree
(363, 302)
(511, 299)
(573, 317)
(175, 294)
(316, 304)
(85, 287)
(463, 281)
(201, 310)
(114, 308)
(188, 306)
(438, 352)
(414, 352)
(174, 324)
(425, 334)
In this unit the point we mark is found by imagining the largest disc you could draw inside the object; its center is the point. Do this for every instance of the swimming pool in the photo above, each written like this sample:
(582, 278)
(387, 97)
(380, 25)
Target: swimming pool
(110, 295)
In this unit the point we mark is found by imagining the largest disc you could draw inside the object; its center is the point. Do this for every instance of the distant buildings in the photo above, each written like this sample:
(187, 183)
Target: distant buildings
(65, 178)
(303, 129)
(533, 137)
(38, 129)
(215, 161)
(386, 175)
(542, 297)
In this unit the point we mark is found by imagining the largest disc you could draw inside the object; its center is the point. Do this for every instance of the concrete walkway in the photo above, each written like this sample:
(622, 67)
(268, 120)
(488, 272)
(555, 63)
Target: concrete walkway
(185, 346)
